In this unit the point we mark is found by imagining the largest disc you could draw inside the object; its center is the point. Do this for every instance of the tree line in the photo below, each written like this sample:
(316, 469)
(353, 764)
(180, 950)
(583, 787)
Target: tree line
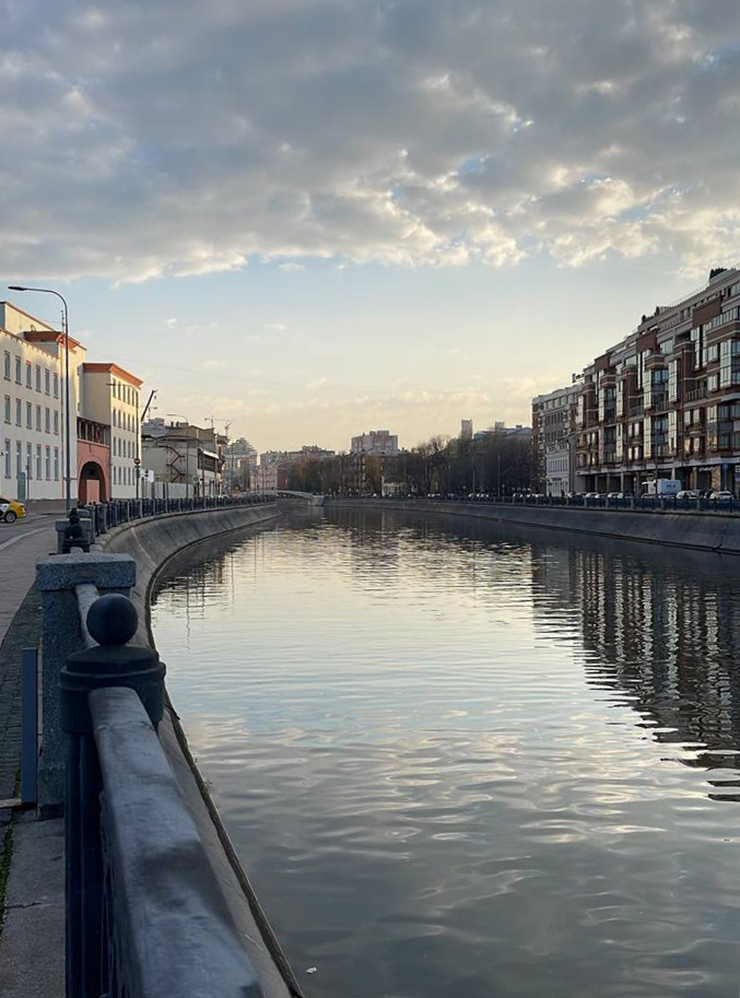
(494, 463)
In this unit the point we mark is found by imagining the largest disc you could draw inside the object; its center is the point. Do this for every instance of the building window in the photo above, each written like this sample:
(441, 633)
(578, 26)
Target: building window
(673, 381)
(38, 377)
(29, 415)
(8, 458)
(56, 423)
(7, 408)
(17, 370)
(38, 460)
(18, 413)
(56, 464)
(56, 385)
(38, 418)
(29, 374)
(47, 380)
(29, 460)
(6, 366)
(48, 464)
(47, 420)
(18, 459)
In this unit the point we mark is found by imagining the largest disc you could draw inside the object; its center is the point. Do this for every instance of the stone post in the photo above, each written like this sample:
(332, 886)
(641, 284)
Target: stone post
(61, 636)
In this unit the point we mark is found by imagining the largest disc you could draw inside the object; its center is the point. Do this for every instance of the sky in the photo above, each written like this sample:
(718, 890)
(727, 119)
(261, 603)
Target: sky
(313, 218)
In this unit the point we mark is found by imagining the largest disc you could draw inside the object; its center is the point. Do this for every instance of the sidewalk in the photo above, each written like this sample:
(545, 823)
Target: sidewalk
(31, 852)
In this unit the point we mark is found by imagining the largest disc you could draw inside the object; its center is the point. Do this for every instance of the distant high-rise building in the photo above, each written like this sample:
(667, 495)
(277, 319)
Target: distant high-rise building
(375, 442)
(466, 429)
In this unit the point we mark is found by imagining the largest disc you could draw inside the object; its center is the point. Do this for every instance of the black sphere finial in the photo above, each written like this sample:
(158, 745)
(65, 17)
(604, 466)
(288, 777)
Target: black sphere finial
(112, 619)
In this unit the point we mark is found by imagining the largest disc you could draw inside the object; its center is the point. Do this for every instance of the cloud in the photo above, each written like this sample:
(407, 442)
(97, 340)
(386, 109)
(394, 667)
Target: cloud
(171, 322)
(406, 133)
(276, 327)
(211, 364)
(317, 382)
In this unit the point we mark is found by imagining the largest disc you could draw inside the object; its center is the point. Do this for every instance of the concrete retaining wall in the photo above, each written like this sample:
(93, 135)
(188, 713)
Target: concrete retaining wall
(700, 531)
(153, 542)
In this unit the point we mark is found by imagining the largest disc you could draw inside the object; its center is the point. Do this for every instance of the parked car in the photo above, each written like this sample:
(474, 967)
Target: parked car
(722, 496)
(687, 494)
(11, 510)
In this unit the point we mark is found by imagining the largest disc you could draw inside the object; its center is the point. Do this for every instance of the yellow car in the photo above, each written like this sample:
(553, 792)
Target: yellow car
(11, 510)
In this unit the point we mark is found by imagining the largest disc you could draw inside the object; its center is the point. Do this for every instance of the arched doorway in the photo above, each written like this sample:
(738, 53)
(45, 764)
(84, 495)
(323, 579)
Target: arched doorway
(92, 484)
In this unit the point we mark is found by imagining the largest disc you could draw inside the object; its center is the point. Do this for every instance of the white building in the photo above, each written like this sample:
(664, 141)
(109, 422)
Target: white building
(185, 456)
(375, 442)
(559, 468)
(111, 397)
(32, 444)
(103, 417)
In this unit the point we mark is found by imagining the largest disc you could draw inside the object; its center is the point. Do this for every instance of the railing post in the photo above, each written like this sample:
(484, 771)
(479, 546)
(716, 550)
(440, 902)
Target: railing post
(112, 621)
(57, 577)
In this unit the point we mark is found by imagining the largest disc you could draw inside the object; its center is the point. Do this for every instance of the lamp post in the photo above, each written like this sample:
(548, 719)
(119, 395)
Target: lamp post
(179, 415)
(67, 442)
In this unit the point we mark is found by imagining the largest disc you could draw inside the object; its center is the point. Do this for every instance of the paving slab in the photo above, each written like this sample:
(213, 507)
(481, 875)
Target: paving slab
(32, 943)
(32, 931)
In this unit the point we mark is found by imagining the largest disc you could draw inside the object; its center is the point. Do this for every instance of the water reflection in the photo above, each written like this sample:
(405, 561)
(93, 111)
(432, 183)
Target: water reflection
(461, 759)
(663, 627)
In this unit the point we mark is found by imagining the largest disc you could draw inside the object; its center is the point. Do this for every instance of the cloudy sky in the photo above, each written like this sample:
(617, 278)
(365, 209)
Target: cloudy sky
(314, 217)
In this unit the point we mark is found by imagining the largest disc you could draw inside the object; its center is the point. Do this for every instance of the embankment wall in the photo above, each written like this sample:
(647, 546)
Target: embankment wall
(699, 531)
(152, 543)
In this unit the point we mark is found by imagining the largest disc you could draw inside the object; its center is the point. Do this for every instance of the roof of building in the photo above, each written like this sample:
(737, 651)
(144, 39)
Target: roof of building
(22, 311)
(119, 372)
(49, 336)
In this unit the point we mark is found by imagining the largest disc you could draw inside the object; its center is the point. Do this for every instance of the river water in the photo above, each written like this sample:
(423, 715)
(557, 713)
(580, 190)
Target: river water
(461, 760)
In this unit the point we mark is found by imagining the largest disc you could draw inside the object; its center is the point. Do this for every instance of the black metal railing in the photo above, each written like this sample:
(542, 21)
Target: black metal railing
(103, 516)
(145, 914)
(615, 501)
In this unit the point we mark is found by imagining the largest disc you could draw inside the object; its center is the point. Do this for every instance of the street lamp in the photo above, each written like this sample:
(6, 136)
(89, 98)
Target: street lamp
(67, 446)
(179, 415)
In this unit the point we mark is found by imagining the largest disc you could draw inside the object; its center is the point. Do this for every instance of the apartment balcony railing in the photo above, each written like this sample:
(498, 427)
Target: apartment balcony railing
(696, 394)
(658, 400)
(636, 410)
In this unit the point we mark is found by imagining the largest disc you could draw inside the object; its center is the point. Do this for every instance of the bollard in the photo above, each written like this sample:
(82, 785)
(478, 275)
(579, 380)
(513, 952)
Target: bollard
(112, 621)
(74, 534)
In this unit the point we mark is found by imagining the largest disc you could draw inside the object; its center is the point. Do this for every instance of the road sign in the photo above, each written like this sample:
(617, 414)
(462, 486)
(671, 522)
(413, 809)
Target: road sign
(137, 462)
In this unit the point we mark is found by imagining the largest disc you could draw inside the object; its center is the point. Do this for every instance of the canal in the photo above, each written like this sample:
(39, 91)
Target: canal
(462, 760)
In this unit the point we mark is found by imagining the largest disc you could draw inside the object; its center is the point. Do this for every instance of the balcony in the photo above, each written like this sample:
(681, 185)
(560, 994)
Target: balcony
(697, 394)
(656, 400)
(636, 410)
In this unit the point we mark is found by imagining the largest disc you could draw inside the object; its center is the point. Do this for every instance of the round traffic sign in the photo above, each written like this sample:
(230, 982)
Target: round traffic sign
(137, 461)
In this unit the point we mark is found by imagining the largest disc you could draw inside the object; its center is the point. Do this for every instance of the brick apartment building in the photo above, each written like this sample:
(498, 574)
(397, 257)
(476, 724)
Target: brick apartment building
(553, 441)
(663, 403)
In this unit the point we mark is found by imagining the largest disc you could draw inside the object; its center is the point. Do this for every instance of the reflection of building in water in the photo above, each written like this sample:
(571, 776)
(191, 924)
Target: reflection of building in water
(663, 627)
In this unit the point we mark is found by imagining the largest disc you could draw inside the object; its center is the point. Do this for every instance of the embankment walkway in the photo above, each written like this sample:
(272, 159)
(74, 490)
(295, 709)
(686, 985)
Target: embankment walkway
(31, 852)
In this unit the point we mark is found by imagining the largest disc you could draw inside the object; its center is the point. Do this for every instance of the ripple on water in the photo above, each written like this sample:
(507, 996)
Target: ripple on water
(458, 759)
